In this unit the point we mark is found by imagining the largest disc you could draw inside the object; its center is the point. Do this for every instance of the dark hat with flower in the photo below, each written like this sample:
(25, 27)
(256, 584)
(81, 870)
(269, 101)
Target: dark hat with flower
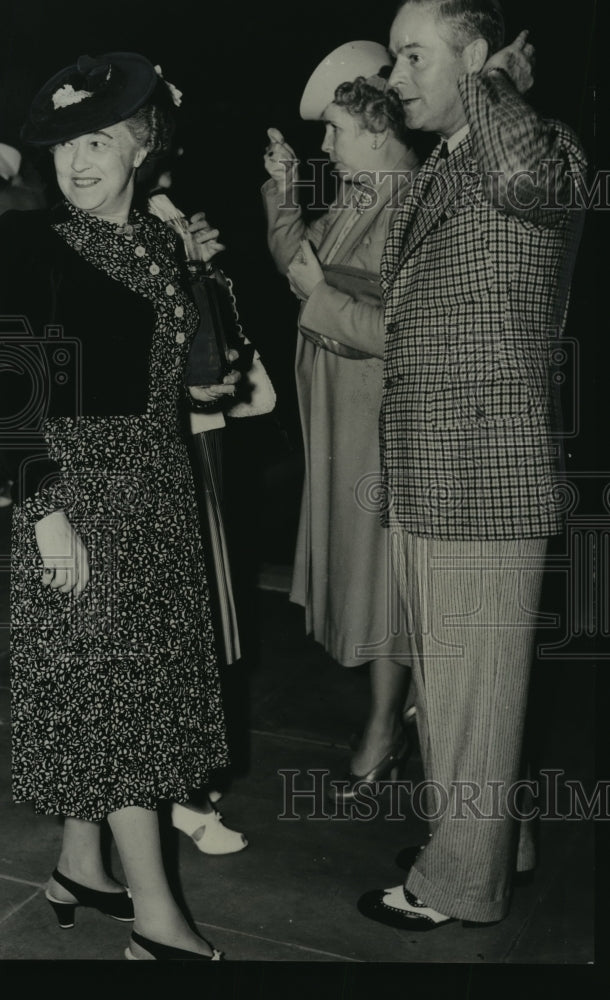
(91, 95)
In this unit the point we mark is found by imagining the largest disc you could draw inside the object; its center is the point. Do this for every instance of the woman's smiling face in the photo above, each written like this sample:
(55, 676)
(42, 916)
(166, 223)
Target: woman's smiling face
(95, 171)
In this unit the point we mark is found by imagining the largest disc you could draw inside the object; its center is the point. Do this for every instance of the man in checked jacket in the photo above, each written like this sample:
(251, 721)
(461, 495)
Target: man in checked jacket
(475, 275)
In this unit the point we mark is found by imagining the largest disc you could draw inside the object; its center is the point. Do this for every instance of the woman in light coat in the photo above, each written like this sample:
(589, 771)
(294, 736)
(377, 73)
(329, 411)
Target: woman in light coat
(342, 573)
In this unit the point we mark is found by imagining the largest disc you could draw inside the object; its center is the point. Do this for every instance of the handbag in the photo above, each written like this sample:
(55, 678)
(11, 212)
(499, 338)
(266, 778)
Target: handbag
(216, 333)
(364, 286)
(219, 330)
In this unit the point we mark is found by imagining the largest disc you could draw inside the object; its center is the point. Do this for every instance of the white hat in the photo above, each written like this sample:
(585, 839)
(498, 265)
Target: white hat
(10, 161)
(343, 64)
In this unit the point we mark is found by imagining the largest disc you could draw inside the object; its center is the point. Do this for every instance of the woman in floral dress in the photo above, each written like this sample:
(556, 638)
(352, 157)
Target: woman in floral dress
(116, 701)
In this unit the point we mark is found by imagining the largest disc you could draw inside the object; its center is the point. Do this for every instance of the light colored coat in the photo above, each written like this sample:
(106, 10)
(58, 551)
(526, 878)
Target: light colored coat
(342, 572)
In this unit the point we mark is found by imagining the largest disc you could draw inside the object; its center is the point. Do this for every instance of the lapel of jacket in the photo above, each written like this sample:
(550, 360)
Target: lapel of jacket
(435, 191)
(405, 218)
(340, 217)
(387, 189)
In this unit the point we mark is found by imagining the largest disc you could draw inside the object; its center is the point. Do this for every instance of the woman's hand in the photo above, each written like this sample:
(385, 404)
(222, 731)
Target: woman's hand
(304, 272)
(64, 556)
(214, 393)
(280, 160)
(204, 237)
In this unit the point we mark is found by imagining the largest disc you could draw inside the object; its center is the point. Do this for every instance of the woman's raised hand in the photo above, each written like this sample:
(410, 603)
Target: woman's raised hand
(64, 556)
(205, 237)
(280, 160)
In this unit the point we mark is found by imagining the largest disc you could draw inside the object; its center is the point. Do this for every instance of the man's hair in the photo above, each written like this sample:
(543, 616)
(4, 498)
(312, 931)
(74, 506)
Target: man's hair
(469, 19)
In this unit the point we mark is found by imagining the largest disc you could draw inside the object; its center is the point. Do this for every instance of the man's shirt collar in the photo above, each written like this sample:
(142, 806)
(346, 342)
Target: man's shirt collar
(454, 141)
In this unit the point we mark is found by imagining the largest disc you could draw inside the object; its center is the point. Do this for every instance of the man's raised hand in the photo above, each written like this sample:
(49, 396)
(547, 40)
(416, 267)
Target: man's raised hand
(518, 60)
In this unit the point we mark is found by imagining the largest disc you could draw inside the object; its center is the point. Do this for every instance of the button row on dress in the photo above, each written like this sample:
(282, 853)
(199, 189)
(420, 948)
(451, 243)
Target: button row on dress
(140, 251)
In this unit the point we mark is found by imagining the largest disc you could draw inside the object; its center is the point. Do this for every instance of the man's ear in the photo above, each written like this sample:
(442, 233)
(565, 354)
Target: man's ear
(475, 55)
(140, 157)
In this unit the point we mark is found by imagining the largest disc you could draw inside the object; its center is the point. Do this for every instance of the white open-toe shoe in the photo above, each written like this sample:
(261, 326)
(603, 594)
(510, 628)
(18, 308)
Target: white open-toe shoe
(207, 831)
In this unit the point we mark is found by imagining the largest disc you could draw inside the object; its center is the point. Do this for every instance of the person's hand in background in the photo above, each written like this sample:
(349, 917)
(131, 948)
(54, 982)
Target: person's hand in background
(305, 271)
(280, 160)
(205, 237)
(214, 393)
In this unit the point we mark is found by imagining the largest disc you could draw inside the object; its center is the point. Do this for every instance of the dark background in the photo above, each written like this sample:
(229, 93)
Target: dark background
(242, 68)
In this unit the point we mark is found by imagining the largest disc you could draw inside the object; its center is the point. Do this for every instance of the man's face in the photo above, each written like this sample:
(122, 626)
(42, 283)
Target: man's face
(426, 71)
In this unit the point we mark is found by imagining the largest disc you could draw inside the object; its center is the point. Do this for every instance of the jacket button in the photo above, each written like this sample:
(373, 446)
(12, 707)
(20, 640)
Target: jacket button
(391, 328)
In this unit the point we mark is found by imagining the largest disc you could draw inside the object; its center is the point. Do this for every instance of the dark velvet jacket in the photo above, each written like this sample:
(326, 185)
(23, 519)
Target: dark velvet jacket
(87, 334)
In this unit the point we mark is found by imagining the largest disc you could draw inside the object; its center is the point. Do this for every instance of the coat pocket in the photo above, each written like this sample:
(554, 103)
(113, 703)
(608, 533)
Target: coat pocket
(478, 387)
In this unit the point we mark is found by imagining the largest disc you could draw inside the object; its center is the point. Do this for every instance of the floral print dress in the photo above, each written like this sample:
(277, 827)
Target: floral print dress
(115, 695)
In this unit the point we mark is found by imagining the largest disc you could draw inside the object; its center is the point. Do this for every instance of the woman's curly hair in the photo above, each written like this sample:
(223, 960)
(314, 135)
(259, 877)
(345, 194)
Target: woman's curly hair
(153, 126)
(375, 109)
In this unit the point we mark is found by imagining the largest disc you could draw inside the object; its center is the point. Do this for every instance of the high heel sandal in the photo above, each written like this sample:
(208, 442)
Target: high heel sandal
(207, 831)
(165, 952)
(387, 768)
(115, 904)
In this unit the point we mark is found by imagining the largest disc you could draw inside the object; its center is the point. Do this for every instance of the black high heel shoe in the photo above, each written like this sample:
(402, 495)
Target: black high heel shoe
(115, 904)
(388, 767)
(165, 952)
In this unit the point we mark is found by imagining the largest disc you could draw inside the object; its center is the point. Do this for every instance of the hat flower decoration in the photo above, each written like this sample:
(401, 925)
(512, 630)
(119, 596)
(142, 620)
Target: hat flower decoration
(67, 95)
(99, 74)
(176, 94)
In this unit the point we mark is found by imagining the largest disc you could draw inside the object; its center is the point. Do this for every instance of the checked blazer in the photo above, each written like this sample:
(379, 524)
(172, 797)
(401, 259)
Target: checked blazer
(475, 275)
